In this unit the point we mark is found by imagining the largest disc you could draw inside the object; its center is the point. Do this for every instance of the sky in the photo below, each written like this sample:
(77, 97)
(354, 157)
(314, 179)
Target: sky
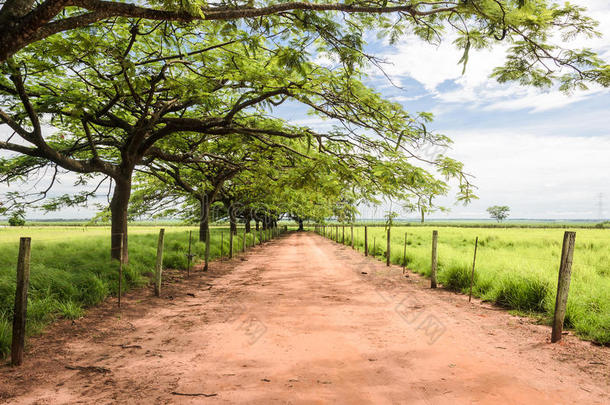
(541, 152)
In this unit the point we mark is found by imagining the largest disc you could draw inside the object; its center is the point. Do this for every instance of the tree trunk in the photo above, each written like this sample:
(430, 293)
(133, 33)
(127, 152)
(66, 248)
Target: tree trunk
(300, 224)
(422, 215)
(257, 225)
(118, 211)
(204, 220)
(247, 223)
(233, 221)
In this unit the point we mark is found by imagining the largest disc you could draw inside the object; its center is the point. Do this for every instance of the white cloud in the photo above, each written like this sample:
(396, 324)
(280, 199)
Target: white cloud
(538, 102)
(434, 65)
(537, 176)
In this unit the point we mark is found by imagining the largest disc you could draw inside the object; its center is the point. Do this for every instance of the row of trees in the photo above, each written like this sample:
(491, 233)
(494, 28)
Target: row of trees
(170, 105)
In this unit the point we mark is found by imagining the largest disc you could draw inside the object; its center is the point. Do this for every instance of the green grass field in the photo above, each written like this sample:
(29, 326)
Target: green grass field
(71, 267)
(516, 268)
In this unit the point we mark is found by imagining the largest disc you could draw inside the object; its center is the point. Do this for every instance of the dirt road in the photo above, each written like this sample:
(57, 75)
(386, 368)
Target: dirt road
(297, 322)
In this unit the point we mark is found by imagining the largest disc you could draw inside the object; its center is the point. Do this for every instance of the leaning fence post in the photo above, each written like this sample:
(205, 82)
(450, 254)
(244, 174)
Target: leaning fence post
(474, 260)
(563, 285)
(434, 260)
(404, 256)
(159, 265)
(387, 253)
(366, 241)
(21, 301)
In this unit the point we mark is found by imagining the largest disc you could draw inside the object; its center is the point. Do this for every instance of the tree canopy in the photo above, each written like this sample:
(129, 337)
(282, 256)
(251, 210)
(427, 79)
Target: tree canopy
(184, 93)
(499, 212)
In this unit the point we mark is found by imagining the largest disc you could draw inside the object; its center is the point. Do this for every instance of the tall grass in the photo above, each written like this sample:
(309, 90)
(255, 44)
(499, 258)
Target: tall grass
(71, 268)
(516, 268)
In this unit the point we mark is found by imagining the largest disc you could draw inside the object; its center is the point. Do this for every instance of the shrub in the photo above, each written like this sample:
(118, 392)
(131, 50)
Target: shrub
(16, 220)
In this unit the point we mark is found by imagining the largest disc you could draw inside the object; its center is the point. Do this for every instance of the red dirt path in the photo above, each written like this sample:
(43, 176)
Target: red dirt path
(296, 322)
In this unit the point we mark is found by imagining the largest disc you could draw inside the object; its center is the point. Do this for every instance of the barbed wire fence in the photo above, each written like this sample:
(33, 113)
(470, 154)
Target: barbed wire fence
(562, 257)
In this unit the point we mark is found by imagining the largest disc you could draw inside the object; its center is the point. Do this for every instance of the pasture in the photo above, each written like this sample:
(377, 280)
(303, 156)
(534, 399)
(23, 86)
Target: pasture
(71, 267)
(516, 268)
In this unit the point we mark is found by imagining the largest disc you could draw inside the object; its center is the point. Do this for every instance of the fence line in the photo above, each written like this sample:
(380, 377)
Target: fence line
(564, 274)
(23, 266)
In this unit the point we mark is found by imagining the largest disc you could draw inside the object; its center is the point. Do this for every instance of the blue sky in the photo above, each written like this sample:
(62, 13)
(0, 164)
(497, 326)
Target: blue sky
(541, 152)
(545, 154)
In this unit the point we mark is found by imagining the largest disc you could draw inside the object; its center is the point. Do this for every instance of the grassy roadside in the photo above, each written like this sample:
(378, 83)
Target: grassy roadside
(71, 269)
(516, 268)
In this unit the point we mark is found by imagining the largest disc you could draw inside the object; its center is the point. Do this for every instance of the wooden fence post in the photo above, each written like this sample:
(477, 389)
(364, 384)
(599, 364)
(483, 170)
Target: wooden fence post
(352, 237)
(434, 260)
(21, 301)
(387, 248)
(159, 264)
(563, 285)
(404, 256)
(366, 241)
(343, 236)
(474, 260)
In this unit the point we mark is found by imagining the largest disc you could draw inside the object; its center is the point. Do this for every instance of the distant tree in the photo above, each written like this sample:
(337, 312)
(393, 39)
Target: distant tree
(499, 212)
(17, 219)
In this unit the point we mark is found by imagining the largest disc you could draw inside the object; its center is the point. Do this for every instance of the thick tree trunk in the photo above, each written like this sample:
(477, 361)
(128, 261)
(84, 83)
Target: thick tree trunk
(247, 220)
(301, 228)
(204, 220)
(233, 222)
(118, 211)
